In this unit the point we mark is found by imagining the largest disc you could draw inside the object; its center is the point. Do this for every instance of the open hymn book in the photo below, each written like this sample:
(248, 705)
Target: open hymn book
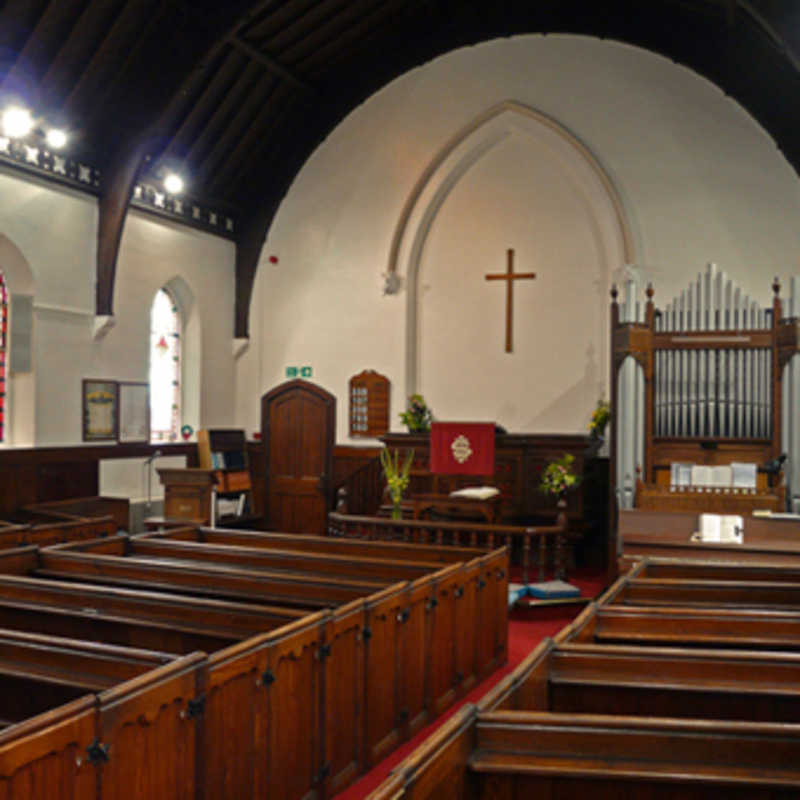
(719, 528)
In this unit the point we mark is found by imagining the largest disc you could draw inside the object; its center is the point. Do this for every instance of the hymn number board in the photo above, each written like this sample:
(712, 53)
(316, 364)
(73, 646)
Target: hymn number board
(369, 404)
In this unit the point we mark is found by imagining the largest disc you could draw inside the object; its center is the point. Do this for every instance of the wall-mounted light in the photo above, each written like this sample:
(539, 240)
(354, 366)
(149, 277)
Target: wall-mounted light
(173, 183)
(56, 138)
(17, 122)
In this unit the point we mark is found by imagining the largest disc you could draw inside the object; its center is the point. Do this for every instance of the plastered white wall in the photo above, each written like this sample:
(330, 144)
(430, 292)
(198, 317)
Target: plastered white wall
(698, 178)
(54, 231)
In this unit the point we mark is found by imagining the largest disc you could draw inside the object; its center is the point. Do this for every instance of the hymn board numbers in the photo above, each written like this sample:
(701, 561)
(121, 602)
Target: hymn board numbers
(509, 276)
(369, 404)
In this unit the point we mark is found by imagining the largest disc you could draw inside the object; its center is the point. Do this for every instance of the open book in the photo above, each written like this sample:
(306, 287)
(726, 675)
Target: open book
(719, 528)
(476, 492)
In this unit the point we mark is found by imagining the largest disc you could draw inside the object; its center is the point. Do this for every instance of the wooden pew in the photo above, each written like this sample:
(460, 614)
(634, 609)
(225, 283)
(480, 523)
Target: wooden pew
(298, 590)
(45, 528)
(348, 567)
(358, 548)
(582, 716)
(66, 705)
(690, 627)
(658, 682)
(527, 754)
(289, 712)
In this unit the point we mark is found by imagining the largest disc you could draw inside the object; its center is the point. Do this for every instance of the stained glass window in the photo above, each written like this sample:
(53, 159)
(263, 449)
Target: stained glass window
(3, 354)
(165, 368)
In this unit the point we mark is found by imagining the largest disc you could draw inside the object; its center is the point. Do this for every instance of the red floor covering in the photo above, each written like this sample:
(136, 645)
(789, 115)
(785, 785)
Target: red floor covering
(526, 628)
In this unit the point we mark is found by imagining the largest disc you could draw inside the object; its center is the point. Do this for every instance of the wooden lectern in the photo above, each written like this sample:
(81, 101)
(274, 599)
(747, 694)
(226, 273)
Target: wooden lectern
(187, 493)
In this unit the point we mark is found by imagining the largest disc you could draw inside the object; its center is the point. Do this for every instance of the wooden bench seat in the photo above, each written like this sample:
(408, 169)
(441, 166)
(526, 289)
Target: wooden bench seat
(711, 593)
(345, 566)
(88, 665)
(210, 580)
(524, 753)
(658, 681)
(406, 551)
(689, 627)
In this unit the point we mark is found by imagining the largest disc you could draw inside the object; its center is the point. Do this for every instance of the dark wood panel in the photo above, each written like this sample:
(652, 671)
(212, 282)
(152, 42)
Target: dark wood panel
(43, 474)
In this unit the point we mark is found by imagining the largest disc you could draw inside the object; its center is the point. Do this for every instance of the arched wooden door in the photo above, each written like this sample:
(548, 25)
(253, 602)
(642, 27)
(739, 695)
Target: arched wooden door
(298, 421)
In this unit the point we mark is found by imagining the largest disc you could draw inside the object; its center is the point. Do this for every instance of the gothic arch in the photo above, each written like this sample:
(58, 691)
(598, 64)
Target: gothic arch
(467, 147)
(20, 408)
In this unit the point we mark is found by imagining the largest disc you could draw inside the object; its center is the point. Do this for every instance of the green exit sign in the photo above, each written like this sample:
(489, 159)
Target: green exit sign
(303, 372)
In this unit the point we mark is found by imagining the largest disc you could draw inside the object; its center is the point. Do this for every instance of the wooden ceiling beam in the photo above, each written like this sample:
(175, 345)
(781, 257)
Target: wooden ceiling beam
(256, 141)
(57, 21)
(75, 52)
(326, 33)
(87, 99)
(113, 204)
(250, 85)
(192, 107)
(239, 122)
(271, 65)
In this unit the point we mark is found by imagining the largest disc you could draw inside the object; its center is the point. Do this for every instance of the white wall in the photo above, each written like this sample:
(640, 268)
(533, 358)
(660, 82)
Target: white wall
(698, 181)
(52, 233)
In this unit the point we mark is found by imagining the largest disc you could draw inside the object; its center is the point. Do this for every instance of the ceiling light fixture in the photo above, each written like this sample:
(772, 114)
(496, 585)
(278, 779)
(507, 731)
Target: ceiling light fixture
(56, 138)
(173, 183)
(17, 122)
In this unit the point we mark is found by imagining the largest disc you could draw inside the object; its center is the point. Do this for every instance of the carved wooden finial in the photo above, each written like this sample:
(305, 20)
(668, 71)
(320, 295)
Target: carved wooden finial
(776, 286)
(614, 292)
(650, 291)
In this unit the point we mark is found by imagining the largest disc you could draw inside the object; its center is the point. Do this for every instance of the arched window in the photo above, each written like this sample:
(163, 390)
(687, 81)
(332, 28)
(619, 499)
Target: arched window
(3, 354)
(165, 368)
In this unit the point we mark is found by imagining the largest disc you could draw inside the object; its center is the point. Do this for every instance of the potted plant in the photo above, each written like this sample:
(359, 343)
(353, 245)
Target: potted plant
(396, 477)
(417, 417)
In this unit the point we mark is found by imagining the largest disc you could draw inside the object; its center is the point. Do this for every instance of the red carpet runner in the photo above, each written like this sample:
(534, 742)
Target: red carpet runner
(526, 628)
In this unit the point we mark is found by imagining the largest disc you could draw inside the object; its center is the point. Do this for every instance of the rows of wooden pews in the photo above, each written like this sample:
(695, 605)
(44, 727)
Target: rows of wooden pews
(188, 663)
(682, 681)
(61, 521)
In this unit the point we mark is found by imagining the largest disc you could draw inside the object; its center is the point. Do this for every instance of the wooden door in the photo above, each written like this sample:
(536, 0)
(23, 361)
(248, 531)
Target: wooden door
(298, 421)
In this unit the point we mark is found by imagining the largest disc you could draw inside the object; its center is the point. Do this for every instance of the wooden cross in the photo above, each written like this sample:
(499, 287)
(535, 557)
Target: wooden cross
(510, 276)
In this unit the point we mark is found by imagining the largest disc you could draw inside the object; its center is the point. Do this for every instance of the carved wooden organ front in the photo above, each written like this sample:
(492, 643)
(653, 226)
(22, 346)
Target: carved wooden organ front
(711, 379)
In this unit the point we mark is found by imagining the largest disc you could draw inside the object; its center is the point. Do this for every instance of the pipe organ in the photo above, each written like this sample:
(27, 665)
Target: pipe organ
(713, 378)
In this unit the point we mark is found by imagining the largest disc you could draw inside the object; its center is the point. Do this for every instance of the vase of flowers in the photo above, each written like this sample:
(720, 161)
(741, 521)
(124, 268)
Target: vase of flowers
(600, 418)
(558, 477)
(417, 417)
(397, 477)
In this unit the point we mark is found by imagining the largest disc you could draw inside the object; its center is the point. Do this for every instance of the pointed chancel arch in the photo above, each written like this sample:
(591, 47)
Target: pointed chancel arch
(605, 210)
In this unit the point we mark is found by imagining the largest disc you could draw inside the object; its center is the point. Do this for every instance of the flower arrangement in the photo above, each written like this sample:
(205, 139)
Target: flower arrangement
(396, 477)
(417, 416)
(600, 418)
(558, 477)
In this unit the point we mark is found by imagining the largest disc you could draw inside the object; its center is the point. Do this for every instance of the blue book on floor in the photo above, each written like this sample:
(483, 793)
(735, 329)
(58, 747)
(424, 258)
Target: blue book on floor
(515, 591)
(553, 590)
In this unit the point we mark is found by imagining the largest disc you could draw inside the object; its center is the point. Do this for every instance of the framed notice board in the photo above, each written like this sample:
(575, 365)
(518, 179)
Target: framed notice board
(369, 404)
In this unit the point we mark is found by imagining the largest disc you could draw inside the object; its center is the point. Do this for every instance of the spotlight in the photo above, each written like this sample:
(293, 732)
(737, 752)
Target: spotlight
(17, 122)
(56, 138)
(173, 183)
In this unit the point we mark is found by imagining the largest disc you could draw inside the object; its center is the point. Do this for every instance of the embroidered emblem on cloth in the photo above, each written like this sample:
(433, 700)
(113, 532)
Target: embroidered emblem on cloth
(461, 448)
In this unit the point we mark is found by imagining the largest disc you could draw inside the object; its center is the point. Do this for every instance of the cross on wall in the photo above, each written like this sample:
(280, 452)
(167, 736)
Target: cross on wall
(509, 276)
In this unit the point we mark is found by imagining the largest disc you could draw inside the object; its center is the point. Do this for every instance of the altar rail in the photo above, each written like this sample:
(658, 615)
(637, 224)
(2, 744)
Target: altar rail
(546, 544)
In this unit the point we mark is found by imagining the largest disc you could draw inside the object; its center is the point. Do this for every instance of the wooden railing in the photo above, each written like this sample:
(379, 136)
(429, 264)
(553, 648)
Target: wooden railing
(543, 544)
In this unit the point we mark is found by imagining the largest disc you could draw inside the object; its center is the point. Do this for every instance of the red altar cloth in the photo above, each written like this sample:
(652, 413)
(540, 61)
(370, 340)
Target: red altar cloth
(465, 448)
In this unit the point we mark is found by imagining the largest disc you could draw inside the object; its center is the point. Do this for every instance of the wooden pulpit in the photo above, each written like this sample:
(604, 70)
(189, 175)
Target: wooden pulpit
(187, 493)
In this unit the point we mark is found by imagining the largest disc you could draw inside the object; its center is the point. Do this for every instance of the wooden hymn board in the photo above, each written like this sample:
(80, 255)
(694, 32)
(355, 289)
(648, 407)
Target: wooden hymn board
(369, 404)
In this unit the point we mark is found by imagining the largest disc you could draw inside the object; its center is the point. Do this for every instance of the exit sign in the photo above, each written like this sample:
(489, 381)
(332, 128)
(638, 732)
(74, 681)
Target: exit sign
(303, 372)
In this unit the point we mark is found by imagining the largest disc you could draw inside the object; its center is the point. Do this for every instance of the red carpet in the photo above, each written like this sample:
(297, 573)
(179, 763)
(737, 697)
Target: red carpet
(526, 628)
